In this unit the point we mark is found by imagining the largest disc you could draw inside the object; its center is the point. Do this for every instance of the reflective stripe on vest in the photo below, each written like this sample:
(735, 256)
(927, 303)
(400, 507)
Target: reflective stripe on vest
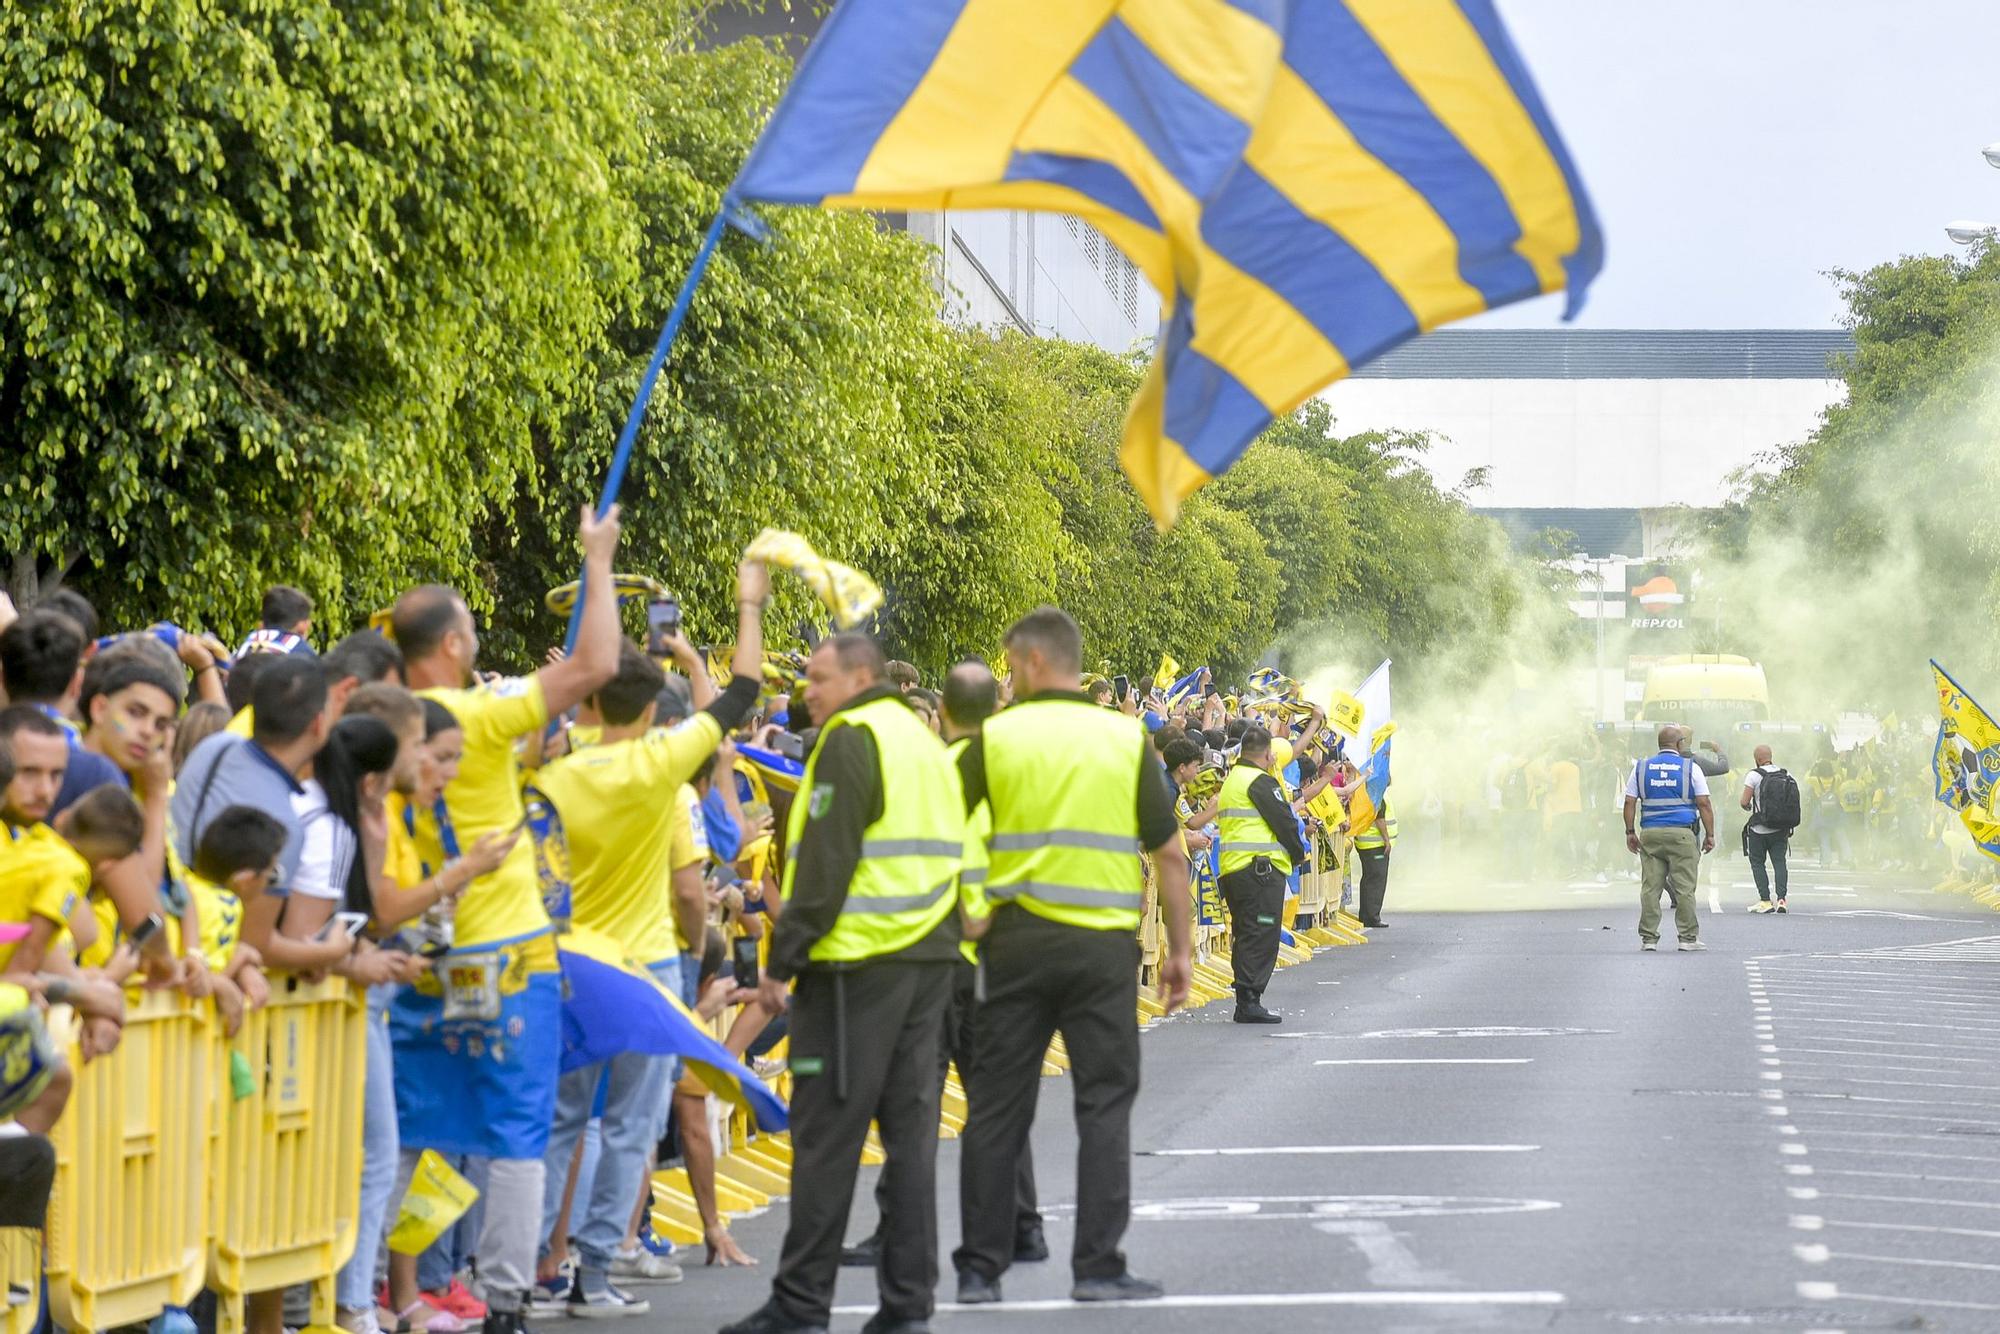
(903, 885)
(1381, 834)
(1062, 781)
(1666, 791)
(972, 900)
(1241, 831)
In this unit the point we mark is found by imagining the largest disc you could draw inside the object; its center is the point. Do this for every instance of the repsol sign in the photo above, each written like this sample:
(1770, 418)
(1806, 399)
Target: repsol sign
(1658, 623)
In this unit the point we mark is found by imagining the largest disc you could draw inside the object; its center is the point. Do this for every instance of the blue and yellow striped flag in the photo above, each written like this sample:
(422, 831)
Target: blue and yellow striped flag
(1307, 183)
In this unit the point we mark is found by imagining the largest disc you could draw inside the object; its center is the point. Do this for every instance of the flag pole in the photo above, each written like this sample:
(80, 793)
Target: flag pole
(622, 456)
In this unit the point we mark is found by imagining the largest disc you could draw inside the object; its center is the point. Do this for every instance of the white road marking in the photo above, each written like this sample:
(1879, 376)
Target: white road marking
(1210, 1209)
(1482, 1031)
(1905, 1176)
(1792, 1150)
(1302, 1150)
(1391, 1263)
(1914, 1199)
(1927, 1228)
(1231, 1300)
(1897, 1083)
(1918, 980)
(1909, 1153)
(1436, 1060)
(1812, 1254)
(1810, 987)
(1844, 1295)
(1927, 1264)
(1807, 1222)
(1818, 1003)
(1818, 1292)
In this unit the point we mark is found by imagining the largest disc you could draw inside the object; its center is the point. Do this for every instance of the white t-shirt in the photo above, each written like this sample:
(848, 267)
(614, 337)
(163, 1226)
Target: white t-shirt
(326, 852)
(1750, 782)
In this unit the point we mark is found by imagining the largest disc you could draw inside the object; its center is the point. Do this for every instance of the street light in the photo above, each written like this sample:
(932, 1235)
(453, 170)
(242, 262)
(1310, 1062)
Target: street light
(1965, 232)
(1992, 154)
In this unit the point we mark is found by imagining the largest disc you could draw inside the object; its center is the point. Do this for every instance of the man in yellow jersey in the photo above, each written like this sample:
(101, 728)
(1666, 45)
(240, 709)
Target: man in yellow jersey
(1256, 827)
(870, 930)
(1075, 792)
(617, 802)
(970, 696)
(477, 1043)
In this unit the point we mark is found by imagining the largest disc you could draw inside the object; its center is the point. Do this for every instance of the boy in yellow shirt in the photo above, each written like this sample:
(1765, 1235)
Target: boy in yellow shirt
(237, 860)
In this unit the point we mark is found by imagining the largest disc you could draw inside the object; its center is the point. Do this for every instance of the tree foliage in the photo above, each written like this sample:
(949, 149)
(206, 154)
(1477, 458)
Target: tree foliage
(355, 297)
(1870, 545)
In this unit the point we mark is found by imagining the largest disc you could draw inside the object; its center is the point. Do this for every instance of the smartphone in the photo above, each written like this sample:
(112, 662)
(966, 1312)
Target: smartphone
(142, 934)
(351, 922)
(663, 622)
(1121, 686)
(744, 958)
(790, 745)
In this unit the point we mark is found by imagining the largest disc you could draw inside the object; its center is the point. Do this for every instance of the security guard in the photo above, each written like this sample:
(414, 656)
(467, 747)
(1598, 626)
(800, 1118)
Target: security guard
(1075, 792)
(1255, 825)
(969, 698)
(870, 931)
(1669, 794)
(1372, 846)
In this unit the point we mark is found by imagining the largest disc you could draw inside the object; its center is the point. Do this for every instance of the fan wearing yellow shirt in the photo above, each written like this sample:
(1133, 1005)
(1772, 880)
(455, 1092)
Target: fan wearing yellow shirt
(477, 1045)
(238, 859)
(46, 872)
(623, 808)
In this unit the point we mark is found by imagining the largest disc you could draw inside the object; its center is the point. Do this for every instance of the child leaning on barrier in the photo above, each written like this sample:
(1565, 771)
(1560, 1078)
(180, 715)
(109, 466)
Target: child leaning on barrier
(236, 860)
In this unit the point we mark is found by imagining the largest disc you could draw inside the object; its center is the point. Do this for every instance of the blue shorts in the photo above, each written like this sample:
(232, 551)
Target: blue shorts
(485, 1087)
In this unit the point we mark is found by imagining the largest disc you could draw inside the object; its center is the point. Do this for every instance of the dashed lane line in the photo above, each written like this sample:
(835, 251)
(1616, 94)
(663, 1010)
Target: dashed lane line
(1234, 1300)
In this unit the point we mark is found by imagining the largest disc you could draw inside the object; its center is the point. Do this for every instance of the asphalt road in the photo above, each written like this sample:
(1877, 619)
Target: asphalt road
(1517, 1120)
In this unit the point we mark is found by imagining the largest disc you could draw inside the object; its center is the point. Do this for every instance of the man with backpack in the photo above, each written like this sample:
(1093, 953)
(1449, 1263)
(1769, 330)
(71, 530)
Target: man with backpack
(1772, 797)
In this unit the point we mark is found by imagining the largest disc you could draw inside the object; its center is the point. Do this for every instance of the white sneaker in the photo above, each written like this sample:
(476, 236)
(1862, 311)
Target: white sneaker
(1650, 945)
(1690, 946)
(642, 1266)
(607, 1303)
(1762, 905)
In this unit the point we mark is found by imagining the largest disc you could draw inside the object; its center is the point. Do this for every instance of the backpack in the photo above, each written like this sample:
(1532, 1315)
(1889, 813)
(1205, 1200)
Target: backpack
(1777, 802)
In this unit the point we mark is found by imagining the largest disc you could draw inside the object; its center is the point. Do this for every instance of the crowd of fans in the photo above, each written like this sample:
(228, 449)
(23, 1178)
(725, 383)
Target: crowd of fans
(222, 824)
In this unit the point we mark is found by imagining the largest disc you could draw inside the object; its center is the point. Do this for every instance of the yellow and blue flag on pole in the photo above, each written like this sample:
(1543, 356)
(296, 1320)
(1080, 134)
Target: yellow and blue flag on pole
(1364, 803)
(1306, 183)
(1966, 762)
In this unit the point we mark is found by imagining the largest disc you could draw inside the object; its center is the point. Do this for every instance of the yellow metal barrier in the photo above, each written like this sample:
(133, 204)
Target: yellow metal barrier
(128, 1223)
(21, 1271)
(286, 1178)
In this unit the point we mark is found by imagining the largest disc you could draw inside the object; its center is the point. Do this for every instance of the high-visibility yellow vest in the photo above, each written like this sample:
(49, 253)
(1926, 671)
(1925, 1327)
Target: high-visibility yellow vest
(972, 868)
(1062, 781)
(1244, 833)
(904, 884)
(1381, 834)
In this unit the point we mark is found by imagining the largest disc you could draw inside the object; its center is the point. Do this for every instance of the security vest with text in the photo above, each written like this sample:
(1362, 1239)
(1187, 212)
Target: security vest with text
(1062, 781)
(905, 882)
(1241, 828)
(1666, 791)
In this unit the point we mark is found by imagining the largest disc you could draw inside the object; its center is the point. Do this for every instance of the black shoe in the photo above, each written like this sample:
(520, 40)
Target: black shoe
(1250, 1012)
(863, 1254)
(975, 1289)
(1030, 1246)
(504, 1322)
(770, 1318)
(1376, 926)
(884, 1323)
(1124, 1288)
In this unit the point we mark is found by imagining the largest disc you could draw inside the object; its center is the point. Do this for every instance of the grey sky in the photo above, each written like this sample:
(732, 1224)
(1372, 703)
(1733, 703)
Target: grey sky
(1738, 149)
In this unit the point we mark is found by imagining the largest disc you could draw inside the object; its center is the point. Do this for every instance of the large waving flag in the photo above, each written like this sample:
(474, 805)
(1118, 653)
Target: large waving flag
(612, 1005)
(1364, 804)
(1307, 183)
(1966, 762)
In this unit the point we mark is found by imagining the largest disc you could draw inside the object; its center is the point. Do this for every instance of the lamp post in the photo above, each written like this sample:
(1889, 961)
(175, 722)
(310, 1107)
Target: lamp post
(1965, 231)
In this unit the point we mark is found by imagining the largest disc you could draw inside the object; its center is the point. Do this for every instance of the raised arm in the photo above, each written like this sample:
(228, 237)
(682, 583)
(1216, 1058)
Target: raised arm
(594, 660)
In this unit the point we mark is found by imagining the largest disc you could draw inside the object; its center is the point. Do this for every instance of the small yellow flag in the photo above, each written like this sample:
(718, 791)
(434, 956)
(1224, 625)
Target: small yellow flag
(1348, 713)
(438, 1197)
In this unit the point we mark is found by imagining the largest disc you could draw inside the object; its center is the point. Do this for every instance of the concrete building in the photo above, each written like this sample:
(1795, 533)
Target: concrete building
(1610, 440)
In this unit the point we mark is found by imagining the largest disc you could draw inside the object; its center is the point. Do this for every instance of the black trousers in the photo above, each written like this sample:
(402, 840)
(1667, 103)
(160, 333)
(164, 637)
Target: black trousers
(27, 1174)
(1043, 978)
(1256, 900)
(894, 1015)
(1374, 882)
(1757, 847)
(957, 1049)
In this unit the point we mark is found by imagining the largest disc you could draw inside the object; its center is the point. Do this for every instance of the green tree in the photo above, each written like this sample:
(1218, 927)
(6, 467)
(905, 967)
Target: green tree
(285, 291)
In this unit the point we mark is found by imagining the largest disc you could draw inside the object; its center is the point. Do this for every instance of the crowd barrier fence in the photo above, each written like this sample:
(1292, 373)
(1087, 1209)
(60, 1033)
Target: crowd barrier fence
(185, 1161)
